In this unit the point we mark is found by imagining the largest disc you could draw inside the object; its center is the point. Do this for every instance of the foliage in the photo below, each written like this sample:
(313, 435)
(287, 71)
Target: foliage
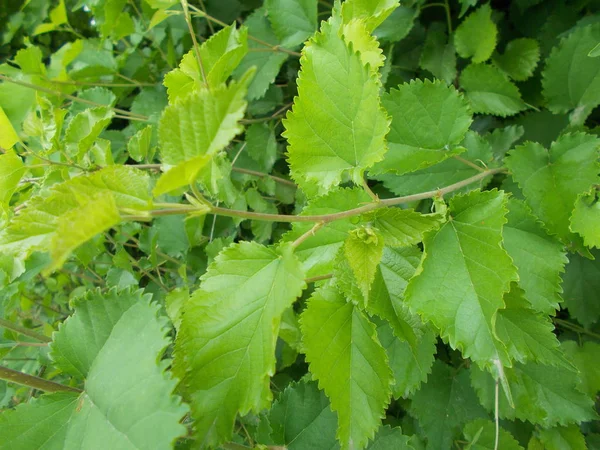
(299, 224)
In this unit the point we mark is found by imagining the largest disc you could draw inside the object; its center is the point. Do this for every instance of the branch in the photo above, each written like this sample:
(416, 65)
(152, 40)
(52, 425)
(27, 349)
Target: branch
(24, 331)
(41, 384)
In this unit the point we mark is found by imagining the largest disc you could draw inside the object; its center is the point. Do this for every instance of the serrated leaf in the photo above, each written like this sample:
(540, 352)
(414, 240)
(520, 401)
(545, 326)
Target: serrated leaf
(261, 146)
(562, 438)
(8, 135)
(444, 403)
(11, 171)
(122, 367)
(458, 287)
(503, 139)
(318, 251)
(586, 218)
(527, 334)
(543, 395)
(519, 59)
(481, 435)
(267, 62)
(402, 227)
(552, 179)
(476, 36)
(293, 21)
(357, 36)
(438, 55)
(344, 133)
(429, 120)
(585, 357)
(388, 438)
(139, 144)
(183, 174)
(397, 25)
(372, 12)
(302, 419)
(490, 92)
(202, 124)
(225, 349)
(581, 288)
(363, 249)
(539, 258)
(85, 128)
(583, 93)
(348, 361)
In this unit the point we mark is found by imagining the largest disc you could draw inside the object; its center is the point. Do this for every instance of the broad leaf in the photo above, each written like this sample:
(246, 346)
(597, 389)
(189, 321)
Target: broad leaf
(402, 227)
(586, 217)
(293, 21)
(519, 59)
(439, 55)
(429, 121)
(342, 134)
(552, 179)
(559, 438)
(539, 258)
(459, 287)
(475, 37)
(585, 357)
(490, 92)
(481, 435)
(225, 349)
(348, 361)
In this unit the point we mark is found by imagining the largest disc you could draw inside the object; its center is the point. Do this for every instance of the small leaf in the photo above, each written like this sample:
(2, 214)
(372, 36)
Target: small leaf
(372, 12)
(586, 217)
(519, 59)
(559, 438)
(476, 36)
(402, 227)
(8, 135)
(11, 171)
(139, 144)
(363, 249)
(439, 55)
(388, 438)
(581, 287)
(85, 128)
(293, 21)
(183, 174)
(481, 435)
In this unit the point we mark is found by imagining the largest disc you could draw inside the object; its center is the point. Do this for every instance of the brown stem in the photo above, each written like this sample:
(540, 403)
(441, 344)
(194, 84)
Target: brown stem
(24, 331)
(24, 379)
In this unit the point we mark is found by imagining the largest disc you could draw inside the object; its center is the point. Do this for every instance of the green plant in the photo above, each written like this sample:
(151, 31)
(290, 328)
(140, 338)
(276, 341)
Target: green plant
(349, 225)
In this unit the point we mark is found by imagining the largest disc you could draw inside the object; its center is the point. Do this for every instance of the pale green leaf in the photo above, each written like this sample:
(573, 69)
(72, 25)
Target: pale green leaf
(585, 357)
(445, 403)
(293, 21)
(581, 287)
(202, 124)
(585, 219)
(344, 133)
(30, 60)
(438, 55)
(544, 395)
(539, 258)
(481, 435)
(459, 287)
(363, 249)
(490, 92)
(8, 135)
(85, 128)
(138, 146)
(357, 36)
(562, 438)
(552, 179)
(301, 419)
(372, 12)
(519, 59)
(183, 174)
(11, 171)
(348, 361)
(402, 227)
(225, 349)
(583, 92)
(429, 121)
(476, 36)
(267, 61)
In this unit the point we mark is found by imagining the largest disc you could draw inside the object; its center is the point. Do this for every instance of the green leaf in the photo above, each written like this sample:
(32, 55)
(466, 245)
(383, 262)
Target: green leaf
(183, 174)
(293, 21)
(586, 217)
(127, 400)
(459, 287)
(585, 357)
(344, 133)
(267, 61)
(562, 438)
(388, 438)
(348, 361)
(544, 395)
(138, 146)
(30, 60)
(402, 227)
(519, 59)
(302, 419)
(438, 55)
(552, 179)
(8, 135)
(527, 334)
(397, 25)
(429, 120)
(225, 349)
(11, 171)
(476, 36)
(583, 93)
(261, 146)
(84, 129)
(444, 403)
(539, 258)
(581, 287)
(363, 249)
(481, 435)
(202, 124)
(490, 92)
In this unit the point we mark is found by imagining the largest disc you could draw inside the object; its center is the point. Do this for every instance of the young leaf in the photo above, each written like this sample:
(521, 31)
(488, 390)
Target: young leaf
(481, 435)
(586, 217)
(139, 144)
(444, 403)
(539, 258)
(581, 287)
(363, 249)
(519, 59)
(85, 128)
(348, 361)
(583, 93)
(225, 349)
(302, 418)
(490, 92)
(8, 135)
(459, 287)
(429, 120)
(372, 12)
(402, 227)
(552, 179)
(344, 132)
(11, 171)
(293, 21)
(476, 36)
(439, 55)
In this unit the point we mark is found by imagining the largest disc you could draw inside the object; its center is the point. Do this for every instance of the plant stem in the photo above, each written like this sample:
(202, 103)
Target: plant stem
(308, 234)
(261, 174)
(575, 328)
(186, 15)
(318, 278)
(24, 331)
(24, 379)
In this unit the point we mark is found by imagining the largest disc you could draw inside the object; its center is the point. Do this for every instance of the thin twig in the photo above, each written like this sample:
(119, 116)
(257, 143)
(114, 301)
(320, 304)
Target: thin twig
(42, 384)
(318, 278)
(308, 234)
(24, 331)
(188, 20)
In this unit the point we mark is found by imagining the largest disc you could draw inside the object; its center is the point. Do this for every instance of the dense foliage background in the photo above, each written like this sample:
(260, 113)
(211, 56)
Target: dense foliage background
(299, 223)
